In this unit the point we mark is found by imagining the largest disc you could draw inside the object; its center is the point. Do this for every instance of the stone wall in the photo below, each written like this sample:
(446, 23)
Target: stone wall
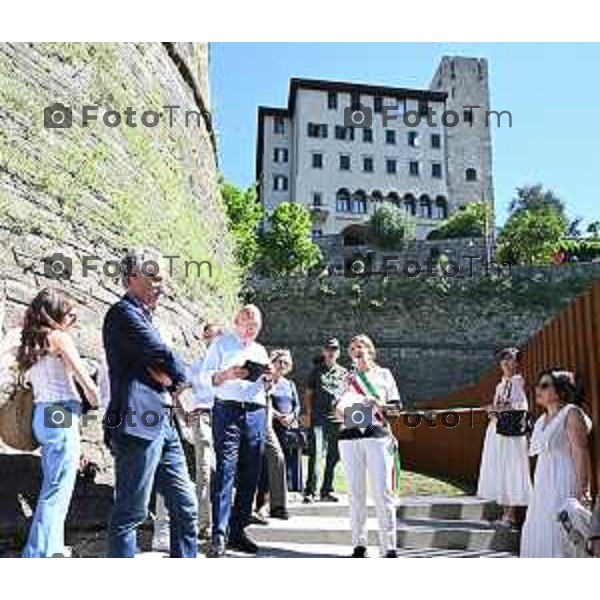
(437, 335)
(93, 191)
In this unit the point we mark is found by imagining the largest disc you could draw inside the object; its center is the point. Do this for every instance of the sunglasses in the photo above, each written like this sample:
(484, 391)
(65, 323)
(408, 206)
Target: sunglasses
(543, 385)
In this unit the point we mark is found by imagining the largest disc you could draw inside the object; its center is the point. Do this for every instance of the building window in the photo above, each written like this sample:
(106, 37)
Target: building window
(423, 108)
(355, 100)
(368, 164)
(278, 125)
(378, 104)
(468, 116)
(436, 170)
(332, 100)
(436, 140)
(317, 130)
(342, 201)
(414, 168)
(345, 162)
(412, 138)
(344, 133)
(280, 155)
(390, 136)
(317, 160)
(367, 135)
(471, 175)
(390, 166)
(317, 199)
(280, 183)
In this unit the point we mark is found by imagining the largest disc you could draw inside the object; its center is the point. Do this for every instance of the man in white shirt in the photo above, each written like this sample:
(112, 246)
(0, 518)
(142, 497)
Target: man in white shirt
(237, 368)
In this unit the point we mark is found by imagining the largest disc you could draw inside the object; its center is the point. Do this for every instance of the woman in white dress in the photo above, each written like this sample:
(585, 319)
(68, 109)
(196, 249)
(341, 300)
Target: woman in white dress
(560, 442)
(367, 447)
(504, 475)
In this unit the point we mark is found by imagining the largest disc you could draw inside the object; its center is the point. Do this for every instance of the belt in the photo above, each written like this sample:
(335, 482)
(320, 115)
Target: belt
(240, 404)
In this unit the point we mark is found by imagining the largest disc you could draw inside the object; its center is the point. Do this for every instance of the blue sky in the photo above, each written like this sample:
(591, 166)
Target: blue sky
(552, 90)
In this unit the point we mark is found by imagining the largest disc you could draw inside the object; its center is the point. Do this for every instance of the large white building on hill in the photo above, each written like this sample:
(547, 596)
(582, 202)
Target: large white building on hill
(340, 148)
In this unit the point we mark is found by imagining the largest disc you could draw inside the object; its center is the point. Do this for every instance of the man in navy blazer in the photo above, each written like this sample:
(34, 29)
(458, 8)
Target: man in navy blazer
(140, 431)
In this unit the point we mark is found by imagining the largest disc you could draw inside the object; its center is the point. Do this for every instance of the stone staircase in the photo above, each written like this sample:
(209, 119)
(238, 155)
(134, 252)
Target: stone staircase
(427, 527)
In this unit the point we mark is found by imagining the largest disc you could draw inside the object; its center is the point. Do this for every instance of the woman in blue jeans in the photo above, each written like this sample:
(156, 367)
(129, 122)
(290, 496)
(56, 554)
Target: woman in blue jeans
(50, 361)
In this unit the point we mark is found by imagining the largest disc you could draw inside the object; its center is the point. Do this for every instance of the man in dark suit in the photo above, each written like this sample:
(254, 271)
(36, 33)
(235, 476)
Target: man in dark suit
(140, 431)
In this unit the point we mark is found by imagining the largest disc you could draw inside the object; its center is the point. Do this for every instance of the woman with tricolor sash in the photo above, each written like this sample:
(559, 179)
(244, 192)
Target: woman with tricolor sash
(367, 447)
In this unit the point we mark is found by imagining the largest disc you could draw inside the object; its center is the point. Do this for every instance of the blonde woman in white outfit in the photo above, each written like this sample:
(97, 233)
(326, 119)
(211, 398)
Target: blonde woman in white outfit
(504, 475)
(367, 447)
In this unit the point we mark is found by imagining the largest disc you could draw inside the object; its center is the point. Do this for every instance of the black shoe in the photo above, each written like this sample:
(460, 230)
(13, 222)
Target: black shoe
(242, 543)
(308, 499)
(279, 513)
(217, 549)
(359, 552)
(391, 554)
(329, 497)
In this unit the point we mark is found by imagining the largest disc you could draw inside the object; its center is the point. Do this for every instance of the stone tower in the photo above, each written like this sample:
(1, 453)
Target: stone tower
(469, 145)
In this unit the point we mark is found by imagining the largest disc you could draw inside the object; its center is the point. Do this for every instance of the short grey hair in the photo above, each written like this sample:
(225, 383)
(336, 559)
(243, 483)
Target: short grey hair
(142, 260)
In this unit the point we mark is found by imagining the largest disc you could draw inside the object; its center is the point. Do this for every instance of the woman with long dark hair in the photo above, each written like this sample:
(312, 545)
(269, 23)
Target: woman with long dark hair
(560, 442)
(50, 361)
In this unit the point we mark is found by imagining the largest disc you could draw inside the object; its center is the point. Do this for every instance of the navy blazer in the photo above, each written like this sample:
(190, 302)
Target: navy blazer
(133, 345)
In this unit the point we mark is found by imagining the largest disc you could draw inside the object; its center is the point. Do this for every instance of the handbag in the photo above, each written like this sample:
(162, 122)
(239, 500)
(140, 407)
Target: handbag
(295, 438)
(16, 415)
(513, 423)
(575, 520)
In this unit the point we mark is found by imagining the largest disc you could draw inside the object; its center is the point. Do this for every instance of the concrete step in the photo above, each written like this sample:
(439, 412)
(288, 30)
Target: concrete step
(437, 507)
(412, 533)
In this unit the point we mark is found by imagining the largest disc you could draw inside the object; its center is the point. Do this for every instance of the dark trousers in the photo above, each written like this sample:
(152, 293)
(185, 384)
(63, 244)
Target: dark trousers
(323, 439)
(139, 466)
(293, 460)
(239, 434)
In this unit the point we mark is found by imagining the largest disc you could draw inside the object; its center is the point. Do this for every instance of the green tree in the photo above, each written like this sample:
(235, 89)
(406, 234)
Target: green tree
(244, 213)
(287, 247)
(389, 226)
(531, 236)
(534, 197)
(469, 221)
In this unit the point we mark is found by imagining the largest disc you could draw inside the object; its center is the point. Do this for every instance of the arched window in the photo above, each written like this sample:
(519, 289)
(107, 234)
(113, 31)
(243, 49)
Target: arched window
(342, 200)
(471, 175)
(440, 208)
(359, 202)
(393, 198)
(410, 205)
(425, 207)
(376, 196)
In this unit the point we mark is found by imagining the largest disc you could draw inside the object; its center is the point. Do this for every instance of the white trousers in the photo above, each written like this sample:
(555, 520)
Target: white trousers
(375, 457)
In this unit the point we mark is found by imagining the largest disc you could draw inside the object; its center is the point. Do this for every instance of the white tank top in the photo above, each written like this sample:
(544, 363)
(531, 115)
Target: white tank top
(51, 381)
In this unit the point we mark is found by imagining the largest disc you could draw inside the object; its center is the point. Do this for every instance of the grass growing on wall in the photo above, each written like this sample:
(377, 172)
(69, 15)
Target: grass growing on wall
(126, 186)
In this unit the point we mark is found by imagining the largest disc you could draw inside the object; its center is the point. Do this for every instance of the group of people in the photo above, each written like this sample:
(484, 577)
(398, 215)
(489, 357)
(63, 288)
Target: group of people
(558, 440)
(249, 426)
(249, 429)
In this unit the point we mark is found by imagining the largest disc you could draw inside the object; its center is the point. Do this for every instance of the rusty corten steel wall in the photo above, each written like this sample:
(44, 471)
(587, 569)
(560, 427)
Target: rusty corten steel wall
(571, 340)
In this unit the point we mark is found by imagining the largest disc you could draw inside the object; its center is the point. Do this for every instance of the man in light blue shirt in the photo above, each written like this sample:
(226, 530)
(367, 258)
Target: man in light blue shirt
(237, 368)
